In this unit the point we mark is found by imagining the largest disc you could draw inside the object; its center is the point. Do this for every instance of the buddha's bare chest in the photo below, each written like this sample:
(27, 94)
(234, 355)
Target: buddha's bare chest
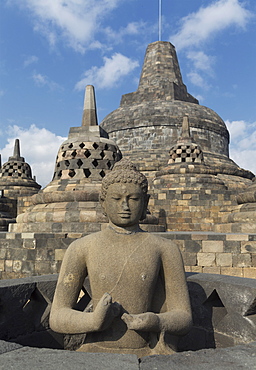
(123, 270)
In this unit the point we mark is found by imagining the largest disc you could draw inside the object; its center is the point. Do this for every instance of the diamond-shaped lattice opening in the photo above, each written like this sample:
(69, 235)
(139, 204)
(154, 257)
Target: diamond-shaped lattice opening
(87, 172)
(74, 153)
(102, 173)
(87, 153)
(95, 162)
(95, 145)
(11, 166)
(59, 174)
(252, 309)
(214, 303)
(58, 164)
(70, 146)
(67, 163)
(64, 154)
(71, 173)
(36, 308)
(19, 167)
(102, 154)
(79, 163)
(106, 147)
(82, 145)
(109, 164)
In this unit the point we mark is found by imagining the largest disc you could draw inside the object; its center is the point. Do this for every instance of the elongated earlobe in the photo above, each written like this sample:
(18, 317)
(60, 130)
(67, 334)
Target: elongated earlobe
(145, 207)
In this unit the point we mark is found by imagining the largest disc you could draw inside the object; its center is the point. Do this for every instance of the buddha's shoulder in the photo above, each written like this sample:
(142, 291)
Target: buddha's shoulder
(161, 242)
(86, 241)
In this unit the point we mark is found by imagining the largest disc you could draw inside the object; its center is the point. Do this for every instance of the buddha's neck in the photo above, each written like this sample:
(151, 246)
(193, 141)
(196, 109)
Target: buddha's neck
(124, 230)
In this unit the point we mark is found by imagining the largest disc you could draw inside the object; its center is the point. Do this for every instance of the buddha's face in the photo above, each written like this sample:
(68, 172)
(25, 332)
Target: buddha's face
(124, 204)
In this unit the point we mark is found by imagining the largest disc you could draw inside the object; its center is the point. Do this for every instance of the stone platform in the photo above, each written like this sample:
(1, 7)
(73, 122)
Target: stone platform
(238, 357)
(223, 334)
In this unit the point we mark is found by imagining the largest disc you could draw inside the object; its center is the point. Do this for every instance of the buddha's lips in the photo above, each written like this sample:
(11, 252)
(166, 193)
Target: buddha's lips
(123, 214)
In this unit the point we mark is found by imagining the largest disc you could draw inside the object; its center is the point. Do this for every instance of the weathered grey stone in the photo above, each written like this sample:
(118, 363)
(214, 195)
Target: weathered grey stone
(41, 359)
(239, 357)
(8, 347)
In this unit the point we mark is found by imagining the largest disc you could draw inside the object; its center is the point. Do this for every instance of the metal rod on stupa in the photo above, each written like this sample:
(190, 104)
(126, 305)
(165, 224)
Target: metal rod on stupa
(160, 21)
(89, 110)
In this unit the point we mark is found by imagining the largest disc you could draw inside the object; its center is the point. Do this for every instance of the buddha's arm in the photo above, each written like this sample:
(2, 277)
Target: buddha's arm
(177, 319)
(63, 318)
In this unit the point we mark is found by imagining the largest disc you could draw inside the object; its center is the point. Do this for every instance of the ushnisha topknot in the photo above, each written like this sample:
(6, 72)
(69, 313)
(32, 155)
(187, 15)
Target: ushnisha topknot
(123, 171)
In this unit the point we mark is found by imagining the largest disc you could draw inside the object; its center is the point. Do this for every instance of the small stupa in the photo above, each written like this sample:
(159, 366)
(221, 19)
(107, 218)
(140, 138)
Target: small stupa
(187, 190)
(70, 202)
(15, 181)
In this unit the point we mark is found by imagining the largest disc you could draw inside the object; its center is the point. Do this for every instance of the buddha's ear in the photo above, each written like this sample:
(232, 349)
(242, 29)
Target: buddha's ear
(145, 207)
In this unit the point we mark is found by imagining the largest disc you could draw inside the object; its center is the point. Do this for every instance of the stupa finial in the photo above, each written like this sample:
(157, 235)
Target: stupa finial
(185, 131)
(16, 150)
(89, 110)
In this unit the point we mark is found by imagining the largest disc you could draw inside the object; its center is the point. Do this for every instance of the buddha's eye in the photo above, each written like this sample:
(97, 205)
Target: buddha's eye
(135, 198)
(116, 198)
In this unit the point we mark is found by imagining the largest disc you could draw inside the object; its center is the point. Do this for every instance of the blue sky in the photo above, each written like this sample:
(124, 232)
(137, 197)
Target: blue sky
(51, 49)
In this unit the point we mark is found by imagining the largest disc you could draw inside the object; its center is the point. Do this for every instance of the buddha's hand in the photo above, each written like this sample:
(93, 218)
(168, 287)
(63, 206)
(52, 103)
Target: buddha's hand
(105, 312)
(148, 321)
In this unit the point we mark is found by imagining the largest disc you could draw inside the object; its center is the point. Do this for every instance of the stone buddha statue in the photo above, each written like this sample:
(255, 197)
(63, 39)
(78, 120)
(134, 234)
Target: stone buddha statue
(139, 293)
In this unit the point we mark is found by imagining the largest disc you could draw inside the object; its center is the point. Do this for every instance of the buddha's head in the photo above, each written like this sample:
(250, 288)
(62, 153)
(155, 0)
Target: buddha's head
(124, 195)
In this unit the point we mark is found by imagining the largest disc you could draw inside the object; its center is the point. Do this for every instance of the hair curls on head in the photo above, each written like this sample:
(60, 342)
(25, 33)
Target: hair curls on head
(124, 171)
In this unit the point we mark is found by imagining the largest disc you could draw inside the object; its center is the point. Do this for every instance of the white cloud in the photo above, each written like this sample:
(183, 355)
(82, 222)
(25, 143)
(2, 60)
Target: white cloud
(243, 143)
(30, 60)
(40, 156)
(198, 27)
(42, 81)
(201, 61)
(132, 28)
(197, 80)
(74, 21)
(109, 75)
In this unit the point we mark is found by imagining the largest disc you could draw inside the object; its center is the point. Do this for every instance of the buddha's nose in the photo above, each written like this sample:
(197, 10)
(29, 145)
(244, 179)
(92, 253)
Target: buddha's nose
(125, 205)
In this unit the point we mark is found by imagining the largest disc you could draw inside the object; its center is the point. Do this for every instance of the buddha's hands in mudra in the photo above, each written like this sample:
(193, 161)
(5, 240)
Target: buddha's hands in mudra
(105, 312)
(148, 321)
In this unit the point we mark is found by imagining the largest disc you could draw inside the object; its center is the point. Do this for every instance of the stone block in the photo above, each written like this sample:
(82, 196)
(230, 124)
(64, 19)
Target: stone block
(224, 259)
(248, 247)
(241, 260)
(211, 269)
(232, 271)
(8, 265)
(29, 243)
(249, 272)
(206, 259)
(192, 246)
(238, 237)
(2, 265)
(232, 247)
(212, 246)
(17, 265)
(253, 260)
(189, 259)
(196, 269)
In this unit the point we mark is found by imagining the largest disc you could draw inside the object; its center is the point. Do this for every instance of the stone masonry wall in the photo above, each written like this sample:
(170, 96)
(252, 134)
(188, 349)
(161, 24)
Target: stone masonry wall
(31, 254)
